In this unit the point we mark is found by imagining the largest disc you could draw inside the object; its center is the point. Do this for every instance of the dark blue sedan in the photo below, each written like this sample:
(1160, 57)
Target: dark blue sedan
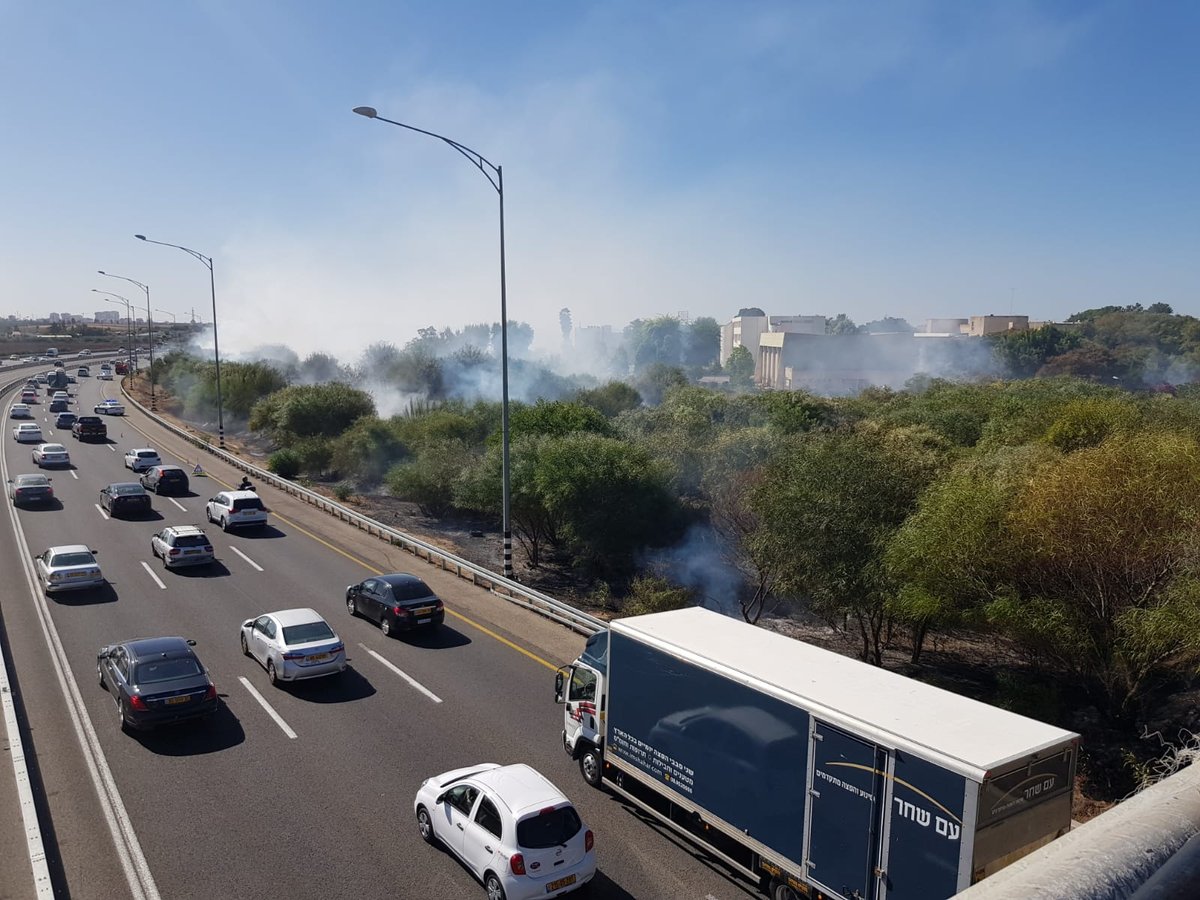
(156, 681)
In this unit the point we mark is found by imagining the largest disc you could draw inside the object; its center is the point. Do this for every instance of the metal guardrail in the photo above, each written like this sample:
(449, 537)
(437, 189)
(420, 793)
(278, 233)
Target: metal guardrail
(502, 587)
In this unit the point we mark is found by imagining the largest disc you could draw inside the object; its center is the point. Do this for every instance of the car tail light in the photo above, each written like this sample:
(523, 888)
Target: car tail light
(439, 605)
(138, 703)
(516, 862)
(589, 841)
(174, 551)
(337, 648)
(290, 656)
(211, 694)
(400, 611)
(207, 548)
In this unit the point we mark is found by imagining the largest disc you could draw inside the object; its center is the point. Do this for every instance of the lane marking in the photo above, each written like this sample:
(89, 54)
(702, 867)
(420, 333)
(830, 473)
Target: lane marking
(267, 706)
(150, 572)
(129, 850)
(100, 510)
(73, 475)
(246, 558)
(177, 503)
(420, 687)
(374, 571)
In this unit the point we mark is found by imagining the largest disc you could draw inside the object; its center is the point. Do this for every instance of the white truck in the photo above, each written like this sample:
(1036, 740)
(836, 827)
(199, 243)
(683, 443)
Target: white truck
(810, 773)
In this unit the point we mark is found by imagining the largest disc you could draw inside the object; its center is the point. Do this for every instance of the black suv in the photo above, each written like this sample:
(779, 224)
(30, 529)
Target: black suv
(165, 480)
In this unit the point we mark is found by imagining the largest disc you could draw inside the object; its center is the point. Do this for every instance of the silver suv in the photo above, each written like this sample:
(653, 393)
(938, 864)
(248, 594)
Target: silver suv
(182, 545)
(234, 509)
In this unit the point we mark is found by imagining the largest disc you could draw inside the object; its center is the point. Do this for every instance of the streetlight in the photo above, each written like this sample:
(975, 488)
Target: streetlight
(128, 317)
(207, 260)
(168, 312)
(149, 330)
(495, 176)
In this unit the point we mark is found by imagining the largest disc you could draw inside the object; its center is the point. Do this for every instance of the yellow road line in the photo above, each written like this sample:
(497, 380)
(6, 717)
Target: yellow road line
(374, 571)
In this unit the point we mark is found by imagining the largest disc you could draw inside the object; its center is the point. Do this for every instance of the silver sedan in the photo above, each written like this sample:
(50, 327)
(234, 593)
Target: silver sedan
(293, 645)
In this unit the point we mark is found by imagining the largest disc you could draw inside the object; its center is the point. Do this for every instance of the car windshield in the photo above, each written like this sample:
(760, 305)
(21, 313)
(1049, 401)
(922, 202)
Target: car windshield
(125, 490)
(411, 590)
(247, 503)
(548, 829)
(166, 669)
(72, 559)
(309, 631)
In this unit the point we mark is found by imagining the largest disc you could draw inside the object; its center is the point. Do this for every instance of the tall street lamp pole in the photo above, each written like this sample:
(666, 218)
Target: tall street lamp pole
(495, 176)
(168, 312)
(207, 261)
(128, 317)
(149, 332)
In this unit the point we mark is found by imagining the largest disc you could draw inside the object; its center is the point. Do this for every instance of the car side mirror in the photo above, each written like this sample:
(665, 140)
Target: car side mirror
(191, 642)
(559, 684)
(93, 552)
(442, 797)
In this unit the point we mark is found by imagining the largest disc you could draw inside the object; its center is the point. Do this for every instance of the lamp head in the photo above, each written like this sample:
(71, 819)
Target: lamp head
(101, 271)
(368, 111)
(140, 237)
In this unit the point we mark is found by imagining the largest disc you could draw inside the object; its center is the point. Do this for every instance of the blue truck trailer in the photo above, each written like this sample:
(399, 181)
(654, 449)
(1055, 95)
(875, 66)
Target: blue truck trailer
(812, 774)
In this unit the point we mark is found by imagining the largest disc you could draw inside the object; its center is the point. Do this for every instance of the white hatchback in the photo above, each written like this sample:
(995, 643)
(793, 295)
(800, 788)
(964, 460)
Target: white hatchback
(142, 458)
(511, 827)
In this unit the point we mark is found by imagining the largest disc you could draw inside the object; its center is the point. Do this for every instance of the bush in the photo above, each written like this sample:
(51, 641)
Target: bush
(653, 593)
(343, 491)
(284, 463)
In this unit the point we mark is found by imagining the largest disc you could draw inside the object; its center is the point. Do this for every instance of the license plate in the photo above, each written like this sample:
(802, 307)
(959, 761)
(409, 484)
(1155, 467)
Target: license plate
(423, 611)
(317, 657)
(78, 575)
(561, 883)
(183, 698)
(424, 621)
(190, 552)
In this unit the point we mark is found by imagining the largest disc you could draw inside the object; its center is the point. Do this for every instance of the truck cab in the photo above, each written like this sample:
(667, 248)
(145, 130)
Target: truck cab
(580, 688)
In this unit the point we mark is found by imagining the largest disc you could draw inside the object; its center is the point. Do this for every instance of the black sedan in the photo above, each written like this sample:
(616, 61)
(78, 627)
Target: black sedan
(155, 681)
(397, 602)
(30, 489)
(124, 498)
(165, 480)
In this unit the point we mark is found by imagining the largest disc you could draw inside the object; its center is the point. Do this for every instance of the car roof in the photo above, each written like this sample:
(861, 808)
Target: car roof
(141, 648)
(70, 548)
(298, 616)
(127, 484)
(143, 450)
(399, 578)
(521, 787)
(53, 448)
(169, 468)
(238, 495)
(184, 529)
(29, 477)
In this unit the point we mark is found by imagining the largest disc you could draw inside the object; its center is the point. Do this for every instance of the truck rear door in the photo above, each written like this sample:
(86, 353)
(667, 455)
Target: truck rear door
(847, 795)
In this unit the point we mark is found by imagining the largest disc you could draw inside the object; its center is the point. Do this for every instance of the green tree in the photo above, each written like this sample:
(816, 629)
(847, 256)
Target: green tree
(312, 410)
(556, 418)
(367, 449)
(429, 480)
(740, 367)
(702, 343)
(841, 324)
(611, 399)
(1023, 353)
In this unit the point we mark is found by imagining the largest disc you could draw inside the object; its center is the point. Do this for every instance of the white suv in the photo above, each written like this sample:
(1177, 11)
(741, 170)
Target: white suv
(511, 827)
(233, 509)
(142, 458)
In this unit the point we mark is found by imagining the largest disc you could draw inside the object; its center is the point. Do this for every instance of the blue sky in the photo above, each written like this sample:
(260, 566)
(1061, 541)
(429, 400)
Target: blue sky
(904, 158)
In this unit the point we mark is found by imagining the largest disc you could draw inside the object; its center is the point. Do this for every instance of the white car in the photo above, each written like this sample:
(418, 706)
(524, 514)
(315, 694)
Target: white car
(294, 645)
(68, 568)
(20, 411)
(28, 432)
(109, 408)
(51, 455)
(142, 458)
(105, 374)
(182, 545)
(233, 509)
(85, 352)
(61, 395)
(514, 830)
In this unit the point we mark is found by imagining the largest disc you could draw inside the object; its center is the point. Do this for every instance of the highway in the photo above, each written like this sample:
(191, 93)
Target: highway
(302, 791)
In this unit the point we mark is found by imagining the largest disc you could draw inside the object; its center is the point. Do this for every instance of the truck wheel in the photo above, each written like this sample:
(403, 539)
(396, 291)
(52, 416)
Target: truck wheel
(781, 891)
(590, 766)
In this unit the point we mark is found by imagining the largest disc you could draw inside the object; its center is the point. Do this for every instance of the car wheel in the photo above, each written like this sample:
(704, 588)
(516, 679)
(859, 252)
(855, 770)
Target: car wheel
(491, 884)
(224, 524)
(385, 625)
(245, 649)
(121, 723)
(425, 826)
(590, 766)
(272, 675)
(100, 676)
(208, 514)
(351, 606)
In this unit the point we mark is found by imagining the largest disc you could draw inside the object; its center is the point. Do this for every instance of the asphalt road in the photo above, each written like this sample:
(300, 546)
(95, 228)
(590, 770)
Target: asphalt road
(304, 791)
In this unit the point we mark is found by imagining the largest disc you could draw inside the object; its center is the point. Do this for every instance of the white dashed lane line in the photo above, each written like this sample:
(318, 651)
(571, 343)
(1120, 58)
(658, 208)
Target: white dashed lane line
(150, 572)
(73, 475)
(246, 558)
(420, 687)
(112, 449)
(100, 510)
(267, 706)
(177, 503)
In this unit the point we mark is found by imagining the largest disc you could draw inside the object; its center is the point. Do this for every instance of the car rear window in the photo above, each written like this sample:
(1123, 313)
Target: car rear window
(127, 490)
(72, 559)
(171, 475)
(165, 670)
(415, 590)
(245, 503)
(309, 631)
(548, 829)
(191, 540)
